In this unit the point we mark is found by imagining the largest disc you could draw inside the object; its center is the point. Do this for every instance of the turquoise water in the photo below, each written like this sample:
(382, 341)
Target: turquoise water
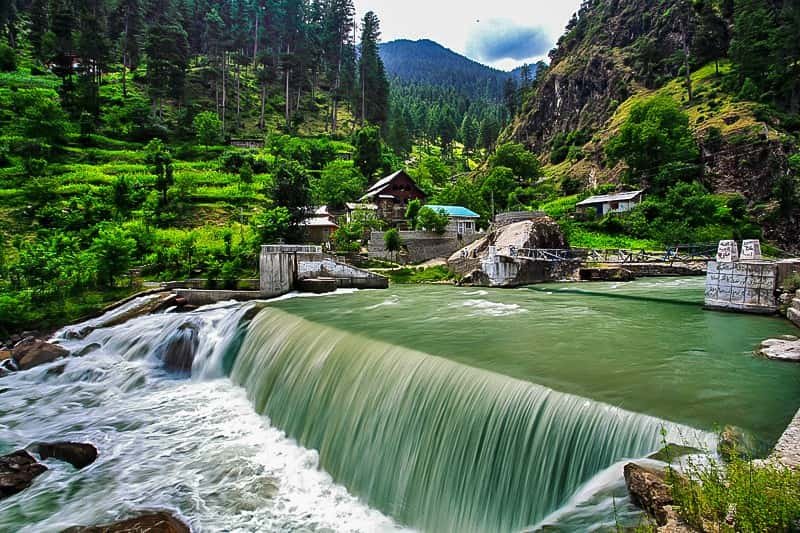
(433, 408)
(646, 346)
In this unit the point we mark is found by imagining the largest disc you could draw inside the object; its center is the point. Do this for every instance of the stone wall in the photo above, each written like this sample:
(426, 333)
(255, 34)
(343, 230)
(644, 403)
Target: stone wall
(347, 276)
(421, 246)
(208, 297)
(747, 286)
(793, 313)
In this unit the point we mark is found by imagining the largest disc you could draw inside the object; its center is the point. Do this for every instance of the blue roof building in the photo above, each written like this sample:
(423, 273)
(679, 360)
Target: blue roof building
(462, 220)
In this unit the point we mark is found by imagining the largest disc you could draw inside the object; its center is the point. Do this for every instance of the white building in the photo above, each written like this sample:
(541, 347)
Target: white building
(612, 203)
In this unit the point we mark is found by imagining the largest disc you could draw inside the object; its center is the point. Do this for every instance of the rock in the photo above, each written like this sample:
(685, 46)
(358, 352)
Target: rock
(156, 522)
(735, 442)
(178, 351)
(86, 350)
(606, 274)
(5, 354)
(649, 490)
(794, 314)
(32, 352)
(506, 267)
(671, 451)
(783, 349)
(17, 472)
(79, 455)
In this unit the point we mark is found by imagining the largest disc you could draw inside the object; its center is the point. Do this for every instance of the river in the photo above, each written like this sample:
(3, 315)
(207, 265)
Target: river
(429, 407)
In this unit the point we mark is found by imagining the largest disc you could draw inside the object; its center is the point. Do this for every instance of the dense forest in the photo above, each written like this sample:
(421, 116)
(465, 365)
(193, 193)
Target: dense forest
(116, 119)
(441, 97)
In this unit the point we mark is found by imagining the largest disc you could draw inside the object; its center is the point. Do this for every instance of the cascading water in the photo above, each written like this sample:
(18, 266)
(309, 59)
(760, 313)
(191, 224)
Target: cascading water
(436, 444)
(360, 433)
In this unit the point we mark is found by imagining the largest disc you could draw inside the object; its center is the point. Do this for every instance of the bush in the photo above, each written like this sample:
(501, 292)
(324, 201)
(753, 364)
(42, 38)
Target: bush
(755, 498)
(8, 60)
(208, 128)
(432, 220)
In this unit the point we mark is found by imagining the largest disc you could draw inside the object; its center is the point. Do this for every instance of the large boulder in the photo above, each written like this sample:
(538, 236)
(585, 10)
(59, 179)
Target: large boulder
(649, 490)
(34, 352)
(504, 269)
(79, 455)
(17, 472)
(156, 522)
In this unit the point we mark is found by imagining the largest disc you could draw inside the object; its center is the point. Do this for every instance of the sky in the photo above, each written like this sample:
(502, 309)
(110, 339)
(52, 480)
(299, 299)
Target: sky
(500, 33)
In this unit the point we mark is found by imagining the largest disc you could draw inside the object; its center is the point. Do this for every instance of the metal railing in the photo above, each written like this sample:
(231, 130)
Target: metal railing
(683, 253)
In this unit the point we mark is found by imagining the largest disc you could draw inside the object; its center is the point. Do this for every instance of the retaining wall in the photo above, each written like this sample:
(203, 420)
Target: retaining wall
(421, 246)
(318, 265)
(747, 286)
(208, 297)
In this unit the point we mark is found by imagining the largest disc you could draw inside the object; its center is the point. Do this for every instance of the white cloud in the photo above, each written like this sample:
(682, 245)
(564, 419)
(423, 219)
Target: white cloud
(484, 31)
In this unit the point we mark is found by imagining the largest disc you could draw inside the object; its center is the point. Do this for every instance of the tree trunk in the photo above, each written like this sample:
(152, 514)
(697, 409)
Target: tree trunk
(255, 37)
(224, 89)
(238, 95)
(124, 78)
(263, 104)
(287, 94)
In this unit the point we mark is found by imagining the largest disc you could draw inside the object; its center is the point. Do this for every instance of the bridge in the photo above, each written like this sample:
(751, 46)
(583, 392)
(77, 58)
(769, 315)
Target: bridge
(681, 254)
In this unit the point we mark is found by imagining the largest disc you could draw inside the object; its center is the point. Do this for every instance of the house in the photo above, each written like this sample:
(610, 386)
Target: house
(360, 212)
(392, 194)
(611, 203)
(319, 226)
(462, 220)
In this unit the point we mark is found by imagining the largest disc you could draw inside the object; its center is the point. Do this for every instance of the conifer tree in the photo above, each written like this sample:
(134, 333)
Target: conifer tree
(373, 85)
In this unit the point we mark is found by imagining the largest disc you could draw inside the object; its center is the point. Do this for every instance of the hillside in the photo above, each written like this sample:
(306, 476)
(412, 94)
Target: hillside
(440, 96)
(425, 62)
(616, 55)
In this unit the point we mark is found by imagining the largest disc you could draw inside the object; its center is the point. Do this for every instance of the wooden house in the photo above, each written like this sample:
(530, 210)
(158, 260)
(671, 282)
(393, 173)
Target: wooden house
(392, 194)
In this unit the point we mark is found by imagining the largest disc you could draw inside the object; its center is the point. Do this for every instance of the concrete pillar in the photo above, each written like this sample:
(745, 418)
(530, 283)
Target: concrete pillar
(727, 252)
(278, 268)
(751, 250)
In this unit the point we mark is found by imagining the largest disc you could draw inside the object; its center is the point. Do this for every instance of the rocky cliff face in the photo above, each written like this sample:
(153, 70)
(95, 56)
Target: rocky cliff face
(621, 51)
(616, 48)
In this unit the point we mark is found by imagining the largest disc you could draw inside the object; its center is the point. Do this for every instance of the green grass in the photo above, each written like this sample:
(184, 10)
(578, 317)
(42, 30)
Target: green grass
(409, 275)
(739, 496)
(581, 238)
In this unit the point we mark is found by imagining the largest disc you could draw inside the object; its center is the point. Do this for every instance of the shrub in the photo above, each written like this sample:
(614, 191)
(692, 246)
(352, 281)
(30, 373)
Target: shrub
(8, 60)
(754, 498)
(207, 127)
(432, 220)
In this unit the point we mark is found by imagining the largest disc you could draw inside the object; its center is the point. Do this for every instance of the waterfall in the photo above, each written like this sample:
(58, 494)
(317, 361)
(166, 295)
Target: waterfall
(438, 445)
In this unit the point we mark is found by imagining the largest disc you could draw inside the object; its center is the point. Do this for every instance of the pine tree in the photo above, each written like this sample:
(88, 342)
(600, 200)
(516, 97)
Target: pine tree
(40, 22)
(750, 48)
(128, 30)
(167, 59)
(93, 46)
(373, 85)
(337, 43)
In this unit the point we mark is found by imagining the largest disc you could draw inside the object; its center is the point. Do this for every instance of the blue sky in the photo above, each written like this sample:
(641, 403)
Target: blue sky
(500, 33)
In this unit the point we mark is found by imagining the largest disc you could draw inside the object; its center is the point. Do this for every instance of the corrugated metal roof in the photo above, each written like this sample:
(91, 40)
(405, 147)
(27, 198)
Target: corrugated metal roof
(617, 197)
(455, 211)
(361, 207)
(319, 222)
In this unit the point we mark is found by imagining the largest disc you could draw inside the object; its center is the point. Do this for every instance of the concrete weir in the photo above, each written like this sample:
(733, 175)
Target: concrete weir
(743, 283)
(284, 268)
